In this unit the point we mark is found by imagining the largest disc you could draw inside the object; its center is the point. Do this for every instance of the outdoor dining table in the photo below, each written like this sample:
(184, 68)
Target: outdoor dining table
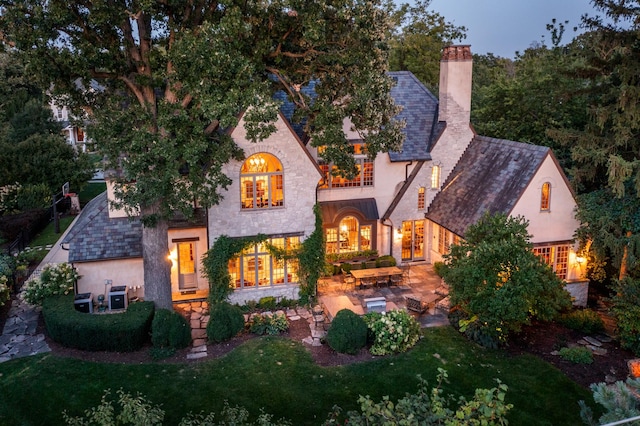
(375, 273)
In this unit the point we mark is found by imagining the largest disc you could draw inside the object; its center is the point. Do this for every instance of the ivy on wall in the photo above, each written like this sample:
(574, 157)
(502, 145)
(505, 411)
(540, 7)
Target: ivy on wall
(310, 256)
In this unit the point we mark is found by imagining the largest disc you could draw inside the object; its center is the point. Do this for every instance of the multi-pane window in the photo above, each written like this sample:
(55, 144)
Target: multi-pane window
(545, 196)
(349, 236)
(364, 165)
(261, 183)
(555, 256)
(421, 198)
(255, 267)
(444, 241)
(435, 177)
(80, 134)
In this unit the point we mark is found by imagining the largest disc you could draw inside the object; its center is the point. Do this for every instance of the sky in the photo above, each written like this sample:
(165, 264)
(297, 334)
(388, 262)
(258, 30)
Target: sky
(503, 27)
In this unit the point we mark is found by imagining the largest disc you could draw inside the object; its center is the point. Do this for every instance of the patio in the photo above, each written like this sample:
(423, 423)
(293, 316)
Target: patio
(420, 282)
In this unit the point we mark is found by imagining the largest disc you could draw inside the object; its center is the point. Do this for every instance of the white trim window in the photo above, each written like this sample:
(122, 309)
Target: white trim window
(363, 163)
(261, 183)
(556, 256)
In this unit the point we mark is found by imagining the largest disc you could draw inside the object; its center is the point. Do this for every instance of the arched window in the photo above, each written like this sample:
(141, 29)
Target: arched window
(350, 236)
(545, 196)
(261, 183)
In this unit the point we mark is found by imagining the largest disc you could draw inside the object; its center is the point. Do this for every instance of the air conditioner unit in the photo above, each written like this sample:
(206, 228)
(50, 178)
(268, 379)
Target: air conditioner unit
(118, 298)
(83, 302)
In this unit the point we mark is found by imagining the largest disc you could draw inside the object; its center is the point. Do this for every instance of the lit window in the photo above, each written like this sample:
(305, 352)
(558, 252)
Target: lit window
(350, 236)
(421, 198)
(255, 267)
(261, 183)
(557, 257)
(545, 196)
(363, 164)
(435, 177)
(444, 241)
(80, 134)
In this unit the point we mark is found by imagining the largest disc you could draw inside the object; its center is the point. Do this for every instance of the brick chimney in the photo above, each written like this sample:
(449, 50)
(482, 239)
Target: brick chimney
(456, 67)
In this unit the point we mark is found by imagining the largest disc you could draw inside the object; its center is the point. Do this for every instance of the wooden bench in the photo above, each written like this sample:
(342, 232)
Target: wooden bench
(376, 304)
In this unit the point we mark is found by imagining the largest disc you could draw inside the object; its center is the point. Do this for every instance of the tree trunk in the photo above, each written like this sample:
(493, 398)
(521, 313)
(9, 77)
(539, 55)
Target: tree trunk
(625, 258)
(157, 266)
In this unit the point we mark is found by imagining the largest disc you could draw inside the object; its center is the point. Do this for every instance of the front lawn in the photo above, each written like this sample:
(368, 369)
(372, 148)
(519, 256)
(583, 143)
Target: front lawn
(279, 375)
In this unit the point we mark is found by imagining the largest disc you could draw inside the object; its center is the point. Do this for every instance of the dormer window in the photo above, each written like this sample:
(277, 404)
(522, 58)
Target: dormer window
(545, 196)
(435, 177)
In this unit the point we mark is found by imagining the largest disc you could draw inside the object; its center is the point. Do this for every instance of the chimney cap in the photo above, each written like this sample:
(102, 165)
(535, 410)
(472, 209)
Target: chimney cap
(457, 53)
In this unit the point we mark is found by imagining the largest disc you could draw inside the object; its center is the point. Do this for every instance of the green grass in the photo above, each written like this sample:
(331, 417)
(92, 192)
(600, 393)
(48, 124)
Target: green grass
(48, 234)
(280, 376)
(90, 191)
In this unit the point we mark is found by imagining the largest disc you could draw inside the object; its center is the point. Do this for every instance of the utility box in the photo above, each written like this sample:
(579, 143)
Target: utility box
(118, 297)
(83, 302)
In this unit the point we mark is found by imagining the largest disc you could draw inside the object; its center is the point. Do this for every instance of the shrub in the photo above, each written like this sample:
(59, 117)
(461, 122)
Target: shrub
(348, 332)
(437, 268)
(5, 292)
(430, 407)
(268, 324)
(346, 267)
(386, 260)
(169, 329)
(473, 329)
(626, 308)
(119, 332)
(395, 331)
(225, 321)
(577, 355)
(619, 400)
(584, 320)
(268, 303)
(54, 280)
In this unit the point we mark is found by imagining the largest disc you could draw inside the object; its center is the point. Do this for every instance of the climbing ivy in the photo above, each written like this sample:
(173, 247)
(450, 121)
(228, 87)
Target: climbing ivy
(216, 261)
(311, 259)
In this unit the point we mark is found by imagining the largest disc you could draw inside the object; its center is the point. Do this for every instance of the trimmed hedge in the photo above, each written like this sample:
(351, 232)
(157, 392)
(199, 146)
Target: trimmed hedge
(169, 329)
(348, 332)
(225, 322)
(119, 332)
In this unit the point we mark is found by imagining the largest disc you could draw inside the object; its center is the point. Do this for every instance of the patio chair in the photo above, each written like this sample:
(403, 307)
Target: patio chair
(382, 281)
(396, 279)
(367, 282)
(348, 281)
(416, 305)
(406, 273)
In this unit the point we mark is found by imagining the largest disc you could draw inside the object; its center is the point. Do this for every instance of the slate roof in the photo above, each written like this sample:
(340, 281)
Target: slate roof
(96, 237)
(491, 176)
(332, 209)
(420, 110)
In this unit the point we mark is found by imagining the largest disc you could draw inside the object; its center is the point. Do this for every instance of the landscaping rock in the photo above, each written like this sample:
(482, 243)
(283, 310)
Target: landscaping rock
(593, 341)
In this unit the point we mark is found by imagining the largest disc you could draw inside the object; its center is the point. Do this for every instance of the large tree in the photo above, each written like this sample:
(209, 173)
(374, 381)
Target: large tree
(33, 151)
(417, 37)
(163, 80)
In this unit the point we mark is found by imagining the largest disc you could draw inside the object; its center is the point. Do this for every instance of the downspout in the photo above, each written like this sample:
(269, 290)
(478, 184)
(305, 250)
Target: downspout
(406, 170)
(390, 235)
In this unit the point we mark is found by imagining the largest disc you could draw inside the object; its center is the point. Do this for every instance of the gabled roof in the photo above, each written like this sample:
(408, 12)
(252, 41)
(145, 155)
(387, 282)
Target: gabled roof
(420, 110)
(331, 210)
(96, 237)
(490, 177)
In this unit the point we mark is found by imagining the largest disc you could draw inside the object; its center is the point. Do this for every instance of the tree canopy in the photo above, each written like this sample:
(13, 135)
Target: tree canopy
(416, 40)
(161, 81)
(33, 151)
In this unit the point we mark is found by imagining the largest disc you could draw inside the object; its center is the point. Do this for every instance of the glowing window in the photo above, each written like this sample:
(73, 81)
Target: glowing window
(421, 198)
(261, 183)
(545, 196)
(255, 267)
(435, 177)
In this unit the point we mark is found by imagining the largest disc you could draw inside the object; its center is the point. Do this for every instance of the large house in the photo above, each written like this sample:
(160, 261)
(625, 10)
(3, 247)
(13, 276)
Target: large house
(410, 204)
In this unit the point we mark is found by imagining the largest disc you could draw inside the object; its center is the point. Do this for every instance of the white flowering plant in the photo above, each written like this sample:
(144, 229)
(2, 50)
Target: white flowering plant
(5, 292)
(393, 332)
(54, 280)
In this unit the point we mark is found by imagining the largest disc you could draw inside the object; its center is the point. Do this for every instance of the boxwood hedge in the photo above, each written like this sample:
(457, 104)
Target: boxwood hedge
(118, 332)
